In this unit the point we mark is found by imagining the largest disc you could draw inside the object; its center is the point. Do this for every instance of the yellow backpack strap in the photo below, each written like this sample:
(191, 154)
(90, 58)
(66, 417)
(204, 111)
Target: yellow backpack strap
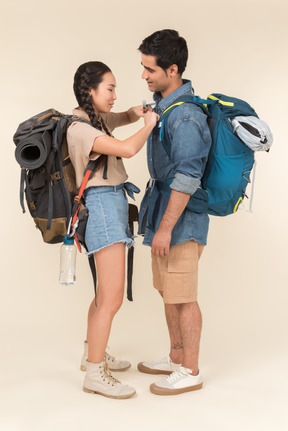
(175, 104)
(220, 101)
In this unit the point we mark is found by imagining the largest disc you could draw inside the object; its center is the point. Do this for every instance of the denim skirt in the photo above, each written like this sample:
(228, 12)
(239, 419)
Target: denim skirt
(108, 216)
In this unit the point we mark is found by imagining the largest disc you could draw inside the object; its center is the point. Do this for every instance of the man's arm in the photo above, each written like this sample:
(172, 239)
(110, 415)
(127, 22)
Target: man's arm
(189, 152)
(162, 238)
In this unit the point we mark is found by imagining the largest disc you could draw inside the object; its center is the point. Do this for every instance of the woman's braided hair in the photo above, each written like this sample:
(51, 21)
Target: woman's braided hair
(89, 75)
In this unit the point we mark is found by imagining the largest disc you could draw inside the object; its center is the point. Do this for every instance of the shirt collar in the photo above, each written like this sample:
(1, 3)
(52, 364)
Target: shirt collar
(78, 112)
(163, 104)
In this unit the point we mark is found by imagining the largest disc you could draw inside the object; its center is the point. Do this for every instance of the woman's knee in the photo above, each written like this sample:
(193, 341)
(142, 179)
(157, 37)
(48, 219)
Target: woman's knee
(116, 305)
(110, 304)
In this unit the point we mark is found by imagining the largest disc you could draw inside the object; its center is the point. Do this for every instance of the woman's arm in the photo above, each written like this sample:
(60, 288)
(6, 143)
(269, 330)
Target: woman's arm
(128, 147)
(131, 116)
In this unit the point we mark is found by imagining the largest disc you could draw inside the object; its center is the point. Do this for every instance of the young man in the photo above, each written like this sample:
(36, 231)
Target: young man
(176, 235)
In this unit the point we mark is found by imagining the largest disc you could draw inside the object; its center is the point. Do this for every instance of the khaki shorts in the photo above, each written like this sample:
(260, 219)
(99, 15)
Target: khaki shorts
(176, 275)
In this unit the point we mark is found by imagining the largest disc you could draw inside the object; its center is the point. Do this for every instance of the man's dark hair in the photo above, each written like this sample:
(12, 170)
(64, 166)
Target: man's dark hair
(168, 48)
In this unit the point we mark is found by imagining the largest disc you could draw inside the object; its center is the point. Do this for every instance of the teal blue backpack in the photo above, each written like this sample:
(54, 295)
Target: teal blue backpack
(230, 161)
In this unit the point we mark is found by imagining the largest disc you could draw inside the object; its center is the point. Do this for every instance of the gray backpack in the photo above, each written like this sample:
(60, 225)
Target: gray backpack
(47, 175)
(49, 185)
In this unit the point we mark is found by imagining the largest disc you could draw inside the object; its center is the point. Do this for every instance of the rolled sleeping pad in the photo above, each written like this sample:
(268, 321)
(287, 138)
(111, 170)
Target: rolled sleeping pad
(32, 152)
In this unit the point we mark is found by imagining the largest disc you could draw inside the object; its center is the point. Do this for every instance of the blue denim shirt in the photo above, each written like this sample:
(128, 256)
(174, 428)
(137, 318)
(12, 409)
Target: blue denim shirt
(190, 143)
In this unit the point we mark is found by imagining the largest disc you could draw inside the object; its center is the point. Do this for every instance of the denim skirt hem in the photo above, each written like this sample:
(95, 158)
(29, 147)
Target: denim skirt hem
(108, 218)
(128, 242)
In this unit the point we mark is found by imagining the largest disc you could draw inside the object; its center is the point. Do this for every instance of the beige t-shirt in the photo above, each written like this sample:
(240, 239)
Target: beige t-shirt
(80, 140)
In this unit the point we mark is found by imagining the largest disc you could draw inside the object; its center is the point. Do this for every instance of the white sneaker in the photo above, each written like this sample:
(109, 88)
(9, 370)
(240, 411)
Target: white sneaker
(113, 363)
(98, 380)
(161, 366)
(178, 382)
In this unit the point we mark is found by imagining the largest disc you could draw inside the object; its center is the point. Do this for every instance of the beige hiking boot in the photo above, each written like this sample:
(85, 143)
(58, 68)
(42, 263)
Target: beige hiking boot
(98, 380)
(113, 363)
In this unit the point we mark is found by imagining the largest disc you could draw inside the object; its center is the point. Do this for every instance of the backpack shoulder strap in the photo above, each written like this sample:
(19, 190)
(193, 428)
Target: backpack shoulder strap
(195, 100)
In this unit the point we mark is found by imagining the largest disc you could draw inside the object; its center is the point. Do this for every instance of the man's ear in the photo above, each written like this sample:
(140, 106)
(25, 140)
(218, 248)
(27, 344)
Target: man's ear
(173, 70)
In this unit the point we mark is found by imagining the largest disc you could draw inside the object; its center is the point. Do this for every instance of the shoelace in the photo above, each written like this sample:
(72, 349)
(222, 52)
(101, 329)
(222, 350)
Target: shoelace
(107, 375)
(109, 357)
(180, 372)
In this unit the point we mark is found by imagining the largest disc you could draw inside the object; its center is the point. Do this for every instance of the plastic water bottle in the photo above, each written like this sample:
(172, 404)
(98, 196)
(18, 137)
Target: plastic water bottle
(68, 252)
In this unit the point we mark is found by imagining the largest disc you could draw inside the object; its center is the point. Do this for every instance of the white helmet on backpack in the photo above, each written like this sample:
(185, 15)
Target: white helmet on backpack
(254, 132)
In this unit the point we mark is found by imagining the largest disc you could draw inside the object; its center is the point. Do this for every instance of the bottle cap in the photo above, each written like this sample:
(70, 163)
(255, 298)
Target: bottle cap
(68, 240)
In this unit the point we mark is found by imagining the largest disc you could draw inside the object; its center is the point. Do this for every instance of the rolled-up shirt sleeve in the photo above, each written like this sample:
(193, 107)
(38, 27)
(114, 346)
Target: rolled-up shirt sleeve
(190, 144)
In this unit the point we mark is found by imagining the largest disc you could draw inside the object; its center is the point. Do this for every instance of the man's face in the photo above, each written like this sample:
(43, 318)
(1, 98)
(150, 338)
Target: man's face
(154, 75)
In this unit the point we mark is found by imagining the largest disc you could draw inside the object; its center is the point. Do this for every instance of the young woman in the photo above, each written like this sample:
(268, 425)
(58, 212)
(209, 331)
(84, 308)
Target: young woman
(107, 230)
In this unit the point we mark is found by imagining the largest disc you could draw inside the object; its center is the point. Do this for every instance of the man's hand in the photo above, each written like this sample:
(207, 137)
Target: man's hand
(162, 238)
(161, 242)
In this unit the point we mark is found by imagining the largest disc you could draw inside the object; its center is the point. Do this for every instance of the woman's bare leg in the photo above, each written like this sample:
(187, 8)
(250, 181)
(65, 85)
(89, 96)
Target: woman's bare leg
(110, 264)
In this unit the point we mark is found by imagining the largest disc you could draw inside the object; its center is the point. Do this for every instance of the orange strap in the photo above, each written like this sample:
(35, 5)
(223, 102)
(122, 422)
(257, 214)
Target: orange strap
(77, 199)
(84, 182)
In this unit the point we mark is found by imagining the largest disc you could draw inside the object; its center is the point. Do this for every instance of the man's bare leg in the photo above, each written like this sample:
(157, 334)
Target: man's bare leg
(190, 320)
(176, 345)
(172, 319)
(184, 323)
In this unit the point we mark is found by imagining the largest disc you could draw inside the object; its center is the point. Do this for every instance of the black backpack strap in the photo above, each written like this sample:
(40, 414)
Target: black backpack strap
(23, 181)
(54, 171)
(92, 265)
(130, 266)
(50, 206)
(104, 176)
(133, 216)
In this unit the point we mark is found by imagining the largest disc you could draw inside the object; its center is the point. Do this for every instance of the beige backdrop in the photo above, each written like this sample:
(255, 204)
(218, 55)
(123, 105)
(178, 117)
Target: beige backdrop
(236, 48)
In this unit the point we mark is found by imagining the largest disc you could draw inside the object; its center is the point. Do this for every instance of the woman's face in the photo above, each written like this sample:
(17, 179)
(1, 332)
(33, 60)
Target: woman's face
(103, 97)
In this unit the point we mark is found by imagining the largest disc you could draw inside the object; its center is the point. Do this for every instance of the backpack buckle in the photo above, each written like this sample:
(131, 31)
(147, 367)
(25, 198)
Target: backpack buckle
(151, 183)
(56, 176)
